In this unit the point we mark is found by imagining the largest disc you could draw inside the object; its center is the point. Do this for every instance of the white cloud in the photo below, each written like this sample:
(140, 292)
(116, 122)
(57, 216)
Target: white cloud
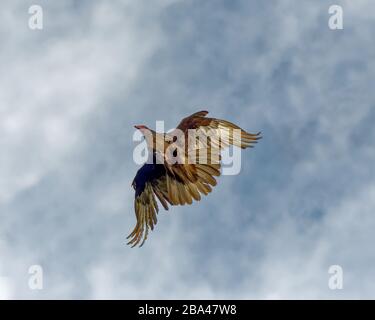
(303, 201)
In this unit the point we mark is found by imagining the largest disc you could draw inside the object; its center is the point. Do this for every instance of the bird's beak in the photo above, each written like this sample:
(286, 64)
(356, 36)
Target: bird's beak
(141, 127)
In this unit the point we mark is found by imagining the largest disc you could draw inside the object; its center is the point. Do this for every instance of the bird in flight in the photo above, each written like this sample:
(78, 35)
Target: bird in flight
(182, 166)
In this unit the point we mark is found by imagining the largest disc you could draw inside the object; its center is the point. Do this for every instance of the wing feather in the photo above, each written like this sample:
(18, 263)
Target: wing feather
(180, 184)
(146, 208)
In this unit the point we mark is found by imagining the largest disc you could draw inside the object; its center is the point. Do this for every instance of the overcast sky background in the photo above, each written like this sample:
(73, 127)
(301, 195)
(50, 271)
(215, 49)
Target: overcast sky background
(305, 199)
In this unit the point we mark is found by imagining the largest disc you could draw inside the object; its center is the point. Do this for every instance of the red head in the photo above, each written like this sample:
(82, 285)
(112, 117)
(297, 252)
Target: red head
(140, 127)
(147, 132)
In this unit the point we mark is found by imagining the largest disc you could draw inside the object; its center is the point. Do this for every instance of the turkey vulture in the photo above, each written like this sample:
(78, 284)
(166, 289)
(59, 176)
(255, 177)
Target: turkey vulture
(181, 182)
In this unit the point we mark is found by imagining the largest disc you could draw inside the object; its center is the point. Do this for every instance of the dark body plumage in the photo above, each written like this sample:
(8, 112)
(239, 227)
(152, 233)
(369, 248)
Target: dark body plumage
(147, 173)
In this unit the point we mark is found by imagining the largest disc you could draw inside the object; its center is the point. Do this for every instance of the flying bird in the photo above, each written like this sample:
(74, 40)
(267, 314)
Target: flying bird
(184, 165)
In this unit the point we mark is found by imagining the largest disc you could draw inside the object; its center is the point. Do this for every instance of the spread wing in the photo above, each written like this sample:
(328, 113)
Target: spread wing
(222, 133)
(181, 183)
(202, 149)
(146, 184)
(146, 208)
(155, 181)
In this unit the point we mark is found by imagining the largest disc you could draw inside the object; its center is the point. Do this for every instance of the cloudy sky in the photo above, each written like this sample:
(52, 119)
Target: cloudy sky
(304, 200)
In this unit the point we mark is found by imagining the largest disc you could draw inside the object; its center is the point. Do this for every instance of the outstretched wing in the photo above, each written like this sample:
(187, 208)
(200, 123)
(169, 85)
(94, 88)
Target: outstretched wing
(145, 208)
(202, 148)
(154, 181)
(180, 184)
(145, 205)
(221, 133)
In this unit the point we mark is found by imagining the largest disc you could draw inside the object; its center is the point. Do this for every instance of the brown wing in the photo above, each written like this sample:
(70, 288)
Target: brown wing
(146, 208)
(211, 136)
(219, 130)
(180, 184)
(154, 181)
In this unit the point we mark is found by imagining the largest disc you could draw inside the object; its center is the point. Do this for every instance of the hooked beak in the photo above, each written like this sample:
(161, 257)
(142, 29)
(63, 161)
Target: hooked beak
(139, 127)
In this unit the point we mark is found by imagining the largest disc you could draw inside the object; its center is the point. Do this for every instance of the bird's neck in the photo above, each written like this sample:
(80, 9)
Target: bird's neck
(156, 142)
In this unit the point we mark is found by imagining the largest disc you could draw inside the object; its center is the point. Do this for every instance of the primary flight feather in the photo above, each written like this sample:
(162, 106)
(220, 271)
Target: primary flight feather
(181, 172)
